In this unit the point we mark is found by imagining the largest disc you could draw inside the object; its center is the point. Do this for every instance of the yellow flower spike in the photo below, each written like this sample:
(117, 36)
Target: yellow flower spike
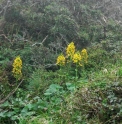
(70, 50)
(17, 67)
(84, 55)
(61, 60)
(76, 58)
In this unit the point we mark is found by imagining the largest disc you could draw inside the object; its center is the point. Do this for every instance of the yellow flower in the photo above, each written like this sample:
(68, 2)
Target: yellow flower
(77, 58)
(17, 67)
(61, 60)
(70, 49)
(84, 55)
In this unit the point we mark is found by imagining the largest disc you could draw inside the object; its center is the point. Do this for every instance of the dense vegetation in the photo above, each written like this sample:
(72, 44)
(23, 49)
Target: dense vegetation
(60, 63)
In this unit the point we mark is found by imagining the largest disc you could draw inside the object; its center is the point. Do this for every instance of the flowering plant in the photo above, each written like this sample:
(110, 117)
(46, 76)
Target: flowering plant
(70, 50)
(17, 68)
(60, 60)
(77, 58)
(73, 57)
(84, 55)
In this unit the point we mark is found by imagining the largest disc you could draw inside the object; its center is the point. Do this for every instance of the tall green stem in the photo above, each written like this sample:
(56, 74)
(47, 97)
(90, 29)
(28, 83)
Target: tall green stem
(76, 71)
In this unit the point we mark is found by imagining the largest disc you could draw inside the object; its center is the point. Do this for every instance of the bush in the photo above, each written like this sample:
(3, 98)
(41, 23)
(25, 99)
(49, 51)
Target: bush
(103, 103)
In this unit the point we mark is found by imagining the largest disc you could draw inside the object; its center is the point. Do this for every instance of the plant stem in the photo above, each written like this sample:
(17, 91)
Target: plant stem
(76, 72)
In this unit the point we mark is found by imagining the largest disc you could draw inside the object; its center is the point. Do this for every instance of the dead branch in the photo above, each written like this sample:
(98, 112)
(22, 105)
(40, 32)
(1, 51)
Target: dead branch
(5, 37)
(11, 93)
(6, 7)
(41, 42)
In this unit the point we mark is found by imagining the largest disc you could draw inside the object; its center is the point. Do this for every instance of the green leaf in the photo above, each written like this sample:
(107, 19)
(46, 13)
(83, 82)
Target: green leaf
(5, 104)
(28, 113)
(3, 114)
(47, 94)
(9, 114)
(53, 88)
(16, 109)
(24, 110)
(29, 106)
(70, 86)
(14, 117)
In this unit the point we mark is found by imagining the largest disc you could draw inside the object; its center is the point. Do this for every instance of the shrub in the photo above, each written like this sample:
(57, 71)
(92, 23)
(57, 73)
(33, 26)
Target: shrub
(104, 103)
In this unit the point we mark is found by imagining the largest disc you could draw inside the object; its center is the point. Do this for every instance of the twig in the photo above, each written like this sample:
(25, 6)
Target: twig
(111, 119)
(5, 37)
(11, 93)
(37, 2)
(41, 42)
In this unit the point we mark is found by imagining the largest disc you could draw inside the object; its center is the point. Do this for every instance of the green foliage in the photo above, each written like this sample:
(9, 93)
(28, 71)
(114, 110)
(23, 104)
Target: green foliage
(114, 31)
(11, 111)
(97, 55)
(4, 84)
(6, 57)
(105, 103)
(13, 15)
(53, 89)
(120, 72)
(34, 120)
(112, 105)
(41, 79)
(38, 31)
(58, 20)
